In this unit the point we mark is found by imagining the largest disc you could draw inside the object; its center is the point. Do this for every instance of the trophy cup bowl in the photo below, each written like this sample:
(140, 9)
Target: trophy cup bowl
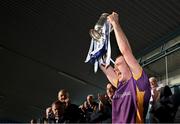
(96, 33)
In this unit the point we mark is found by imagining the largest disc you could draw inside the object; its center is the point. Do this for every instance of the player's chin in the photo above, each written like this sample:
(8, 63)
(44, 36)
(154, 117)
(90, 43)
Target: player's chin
(120, 79)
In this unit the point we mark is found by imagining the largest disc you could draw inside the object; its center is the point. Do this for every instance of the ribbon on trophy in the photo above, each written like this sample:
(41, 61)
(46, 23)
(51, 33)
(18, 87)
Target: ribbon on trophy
(100, 47)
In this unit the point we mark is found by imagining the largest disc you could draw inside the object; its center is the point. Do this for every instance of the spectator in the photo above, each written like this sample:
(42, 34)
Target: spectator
(165, 109)
(110, 89)
(155, 89)
(104, 112)
(49, 113)
(72, 111)
(58, 111)
(155, 95)
(85, 116)
(92, 105)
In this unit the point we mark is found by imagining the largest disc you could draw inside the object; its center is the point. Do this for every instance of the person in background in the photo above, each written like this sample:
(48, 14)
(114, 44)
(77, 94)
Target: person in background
(105, 104)
(72, 111)
(85, 115)
(58, 109)
(110, 89)
(155, 89)
(155, 95)
(49, 115)
(165, 108)
(92, 105)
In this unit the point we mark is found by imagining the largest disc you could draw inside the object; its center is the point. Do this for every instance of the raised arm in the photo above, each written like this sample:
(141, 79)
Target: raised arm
(124, 46)
(110, 74)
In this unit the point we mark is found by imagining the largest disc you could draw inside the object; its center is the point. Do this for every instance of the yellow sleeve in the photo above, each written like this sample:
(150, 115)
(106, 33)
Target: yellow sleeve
(137, 76)
(140, 108)
(115, 82)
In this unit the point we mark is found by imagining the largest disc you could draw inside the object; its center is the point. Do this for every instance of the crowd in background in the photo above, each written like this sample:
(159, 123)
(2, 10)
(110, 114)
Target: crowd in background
(163, 106)
(91, 111)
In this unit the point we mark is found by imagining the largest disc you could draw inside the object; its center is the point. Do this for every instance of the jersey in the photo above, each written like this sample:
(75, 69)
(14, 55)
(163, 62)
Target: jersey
(131, 100)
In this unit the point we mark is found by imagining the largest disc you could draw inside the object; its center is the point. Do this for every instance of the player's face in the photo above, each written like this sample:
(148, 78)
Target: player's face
(120, 68)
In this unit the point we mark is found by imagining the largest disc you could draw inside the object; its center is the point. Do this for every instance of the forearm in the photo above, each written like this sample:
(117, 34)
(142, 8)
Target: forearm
(122, 40)
(110, 74)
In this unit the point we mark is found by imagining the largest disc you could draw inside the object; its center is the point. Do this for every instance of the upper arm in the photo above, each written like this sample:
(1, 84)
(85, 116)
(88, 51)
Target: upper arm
(110, 74)
(133, 64)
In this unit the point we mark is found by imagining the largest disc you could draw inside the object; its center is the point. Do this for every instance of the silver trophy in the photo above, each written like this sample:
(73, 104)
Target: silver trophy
(96, 33)
(100, 47)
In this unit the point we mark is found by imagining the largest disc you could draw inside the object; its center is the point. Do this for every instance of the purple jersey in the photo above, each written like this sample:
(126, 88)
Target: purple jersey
(131, 99)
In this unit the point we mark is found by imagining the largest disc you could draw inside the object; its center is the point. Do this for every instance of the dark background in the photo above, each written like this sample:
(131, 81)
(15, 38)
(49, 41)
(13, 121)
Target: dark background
(43, 45)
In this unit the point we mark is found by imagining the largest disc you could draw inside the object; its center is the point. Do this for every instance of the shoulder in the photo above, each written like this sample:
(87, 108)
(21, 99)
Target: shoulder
(139, 74)
(142, 81)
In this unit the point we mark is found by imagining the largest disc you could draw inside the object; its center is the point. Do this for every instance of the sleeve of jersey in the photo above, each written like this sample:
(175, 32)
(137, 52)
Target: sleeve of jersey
(143, 85)
(142, 81)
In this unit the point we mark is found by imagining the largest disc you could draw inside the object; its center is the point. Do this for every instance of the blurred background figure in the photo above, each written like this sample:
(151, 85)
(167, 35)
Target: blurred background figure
(58, 111)
(110, 89)
(155, 89)
(49, 115)
(163, 104)
(155, 95)
(104, 111)
(85, 116)
(63, 96)
(72, 111)
(165, 108)
(92, 104)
